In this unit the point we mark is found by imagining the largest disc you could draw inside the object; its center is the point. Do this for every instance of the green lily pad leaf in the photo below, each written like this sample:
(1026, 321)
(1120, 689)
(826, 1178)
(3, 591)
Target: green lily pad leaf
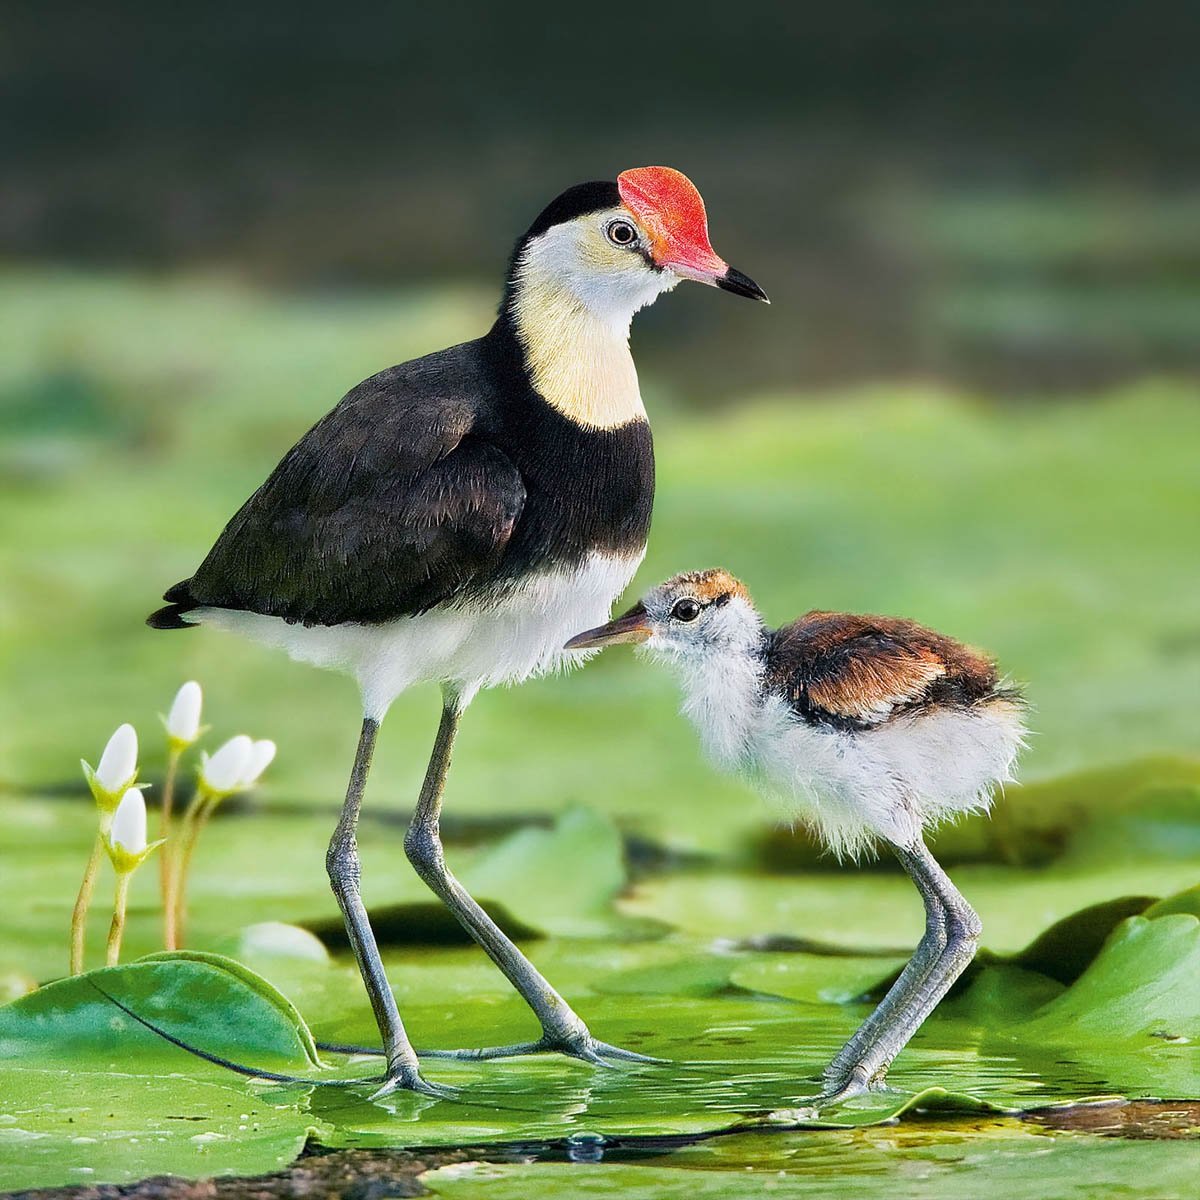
(1187, 901)
(60, 1125)
(1141, 986)
(811, 978)
(562, 880)
(876, 1108)
(1067, 948)
(1158, 821)
(204, 1000)
(999, 991)
(91, 1094)
(1038, 822)
(692, 976)
(978, 1155)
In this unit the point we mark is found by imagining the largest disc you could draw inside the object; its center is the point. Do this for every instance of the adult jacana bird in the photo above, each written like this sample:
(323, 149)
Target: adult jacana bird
(868, 730)
(456, 517)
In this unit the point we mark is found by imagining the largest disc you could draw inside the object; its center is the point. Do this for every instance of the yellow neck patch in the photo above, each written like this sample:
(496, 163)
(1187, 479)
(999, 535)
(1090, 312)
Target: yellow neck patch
(579, 363)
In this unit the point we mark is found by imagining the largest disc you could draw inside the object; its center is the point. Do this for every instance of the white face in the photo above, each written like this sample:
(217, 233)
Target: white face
(603, 260)
(684, 625)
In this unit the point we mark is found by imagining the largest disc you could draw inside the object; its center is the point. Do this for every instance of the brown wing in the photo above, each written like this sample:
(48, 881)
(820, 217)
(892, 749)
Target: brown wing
(857, 671)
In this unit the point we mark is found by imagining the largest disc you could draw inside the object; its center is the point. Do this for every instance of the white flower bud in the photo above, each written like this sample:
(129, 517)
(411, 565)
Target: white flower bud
(118, 763)
(128, 831)
(183, 721)
(261, 755)
(223, 772)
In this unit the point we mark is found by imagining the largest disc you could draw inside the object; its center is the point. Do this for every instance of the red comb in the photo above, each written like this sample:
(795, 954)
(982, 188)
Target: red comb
(670, 208)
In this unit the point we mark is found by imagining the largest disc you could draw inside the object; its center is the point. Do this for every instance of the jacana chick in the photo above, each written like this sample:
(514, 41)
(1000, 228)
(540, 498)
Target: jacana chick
(866, 729)
(456, 517)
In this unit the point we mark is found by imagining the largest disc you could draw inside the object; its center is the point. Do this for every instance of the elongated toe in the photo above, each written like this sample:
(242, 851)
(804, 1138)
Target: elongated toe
(411, 1081)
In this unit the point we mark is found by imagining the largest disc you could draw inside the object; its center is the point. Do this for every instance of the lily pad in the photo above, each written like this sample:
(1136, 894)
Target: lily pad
(690, 975)
(83, 1080)
(1187, 901)
(59, 1126)
(1141, 986)
(102, 1021)
(562, 880)
(1068, 947)
(966, 1156)
(809, 978)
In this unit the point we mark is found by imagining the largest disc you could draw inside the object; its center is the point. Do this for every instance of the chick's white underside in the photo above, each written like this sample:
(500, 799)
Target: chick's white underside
(890, 780)
(469, 646)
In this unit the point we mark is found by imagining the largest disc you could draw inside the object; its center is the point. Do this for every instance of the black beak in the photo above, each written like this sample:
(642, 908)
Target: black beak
(741, 285)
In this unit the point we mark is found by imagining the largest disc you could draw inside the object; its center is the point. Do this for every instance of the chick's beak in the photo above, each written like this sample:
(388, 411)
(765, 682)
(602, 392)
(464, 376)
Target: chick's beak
(631, 627)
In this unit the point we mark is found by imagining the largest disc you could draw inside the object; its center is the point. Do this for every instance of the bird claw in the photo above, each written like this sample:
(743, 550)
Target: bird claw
(838, 1095)
(411, 1081)
(838, 1091)
(788, 1117)
(601, 1051)
(585, 1048)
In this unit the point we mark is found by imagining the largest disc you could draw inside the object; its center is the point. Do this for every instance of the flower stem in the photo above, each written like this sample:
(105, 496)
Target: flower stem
(166, 864)
(117, 929)
(194, 821)
(82, 901)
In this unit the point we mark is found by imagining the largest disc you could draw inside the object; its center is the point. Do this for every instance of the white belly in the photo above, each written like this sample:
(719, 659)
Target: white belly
(466, 647)
(888, 782)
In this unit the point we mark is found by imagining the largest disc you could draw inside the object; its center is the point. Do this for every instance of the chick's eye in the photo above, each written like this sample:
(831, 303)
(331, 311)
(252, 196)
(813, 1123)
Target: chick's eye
(685, 610)
(621, 233)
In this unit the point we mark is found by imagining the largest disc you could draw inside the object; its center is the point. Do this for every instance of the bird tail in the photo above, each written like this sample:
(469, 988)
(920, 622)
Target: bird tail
(172, 615)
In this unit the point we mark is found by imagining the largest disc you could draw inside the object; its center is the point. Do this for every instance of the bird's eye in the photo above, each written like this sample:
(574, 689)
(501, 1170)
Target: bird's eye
(621, 233)
(686, 609)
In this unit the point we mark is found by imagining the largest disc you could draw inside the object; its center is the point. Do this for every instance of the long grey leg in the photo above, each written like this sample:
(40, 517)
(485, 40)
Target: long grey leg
(930, 948)
(342, 863)
(951, 938)
(562, 1029)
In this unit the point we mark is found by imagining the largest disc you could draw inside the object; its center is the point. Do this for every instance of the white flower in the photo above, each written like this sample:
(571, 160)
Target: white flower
(118, 763)
(222, 774)
(261, 755)
(183, 721)
(116, 772)
(126, 836)
(128, 832)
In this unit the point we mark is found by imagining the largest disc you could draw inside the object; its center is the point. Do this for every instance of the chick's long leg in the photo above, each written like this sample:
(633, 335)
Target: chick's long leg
(926, 955)
(342, 863)
(951, 938)
(562, 1029)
